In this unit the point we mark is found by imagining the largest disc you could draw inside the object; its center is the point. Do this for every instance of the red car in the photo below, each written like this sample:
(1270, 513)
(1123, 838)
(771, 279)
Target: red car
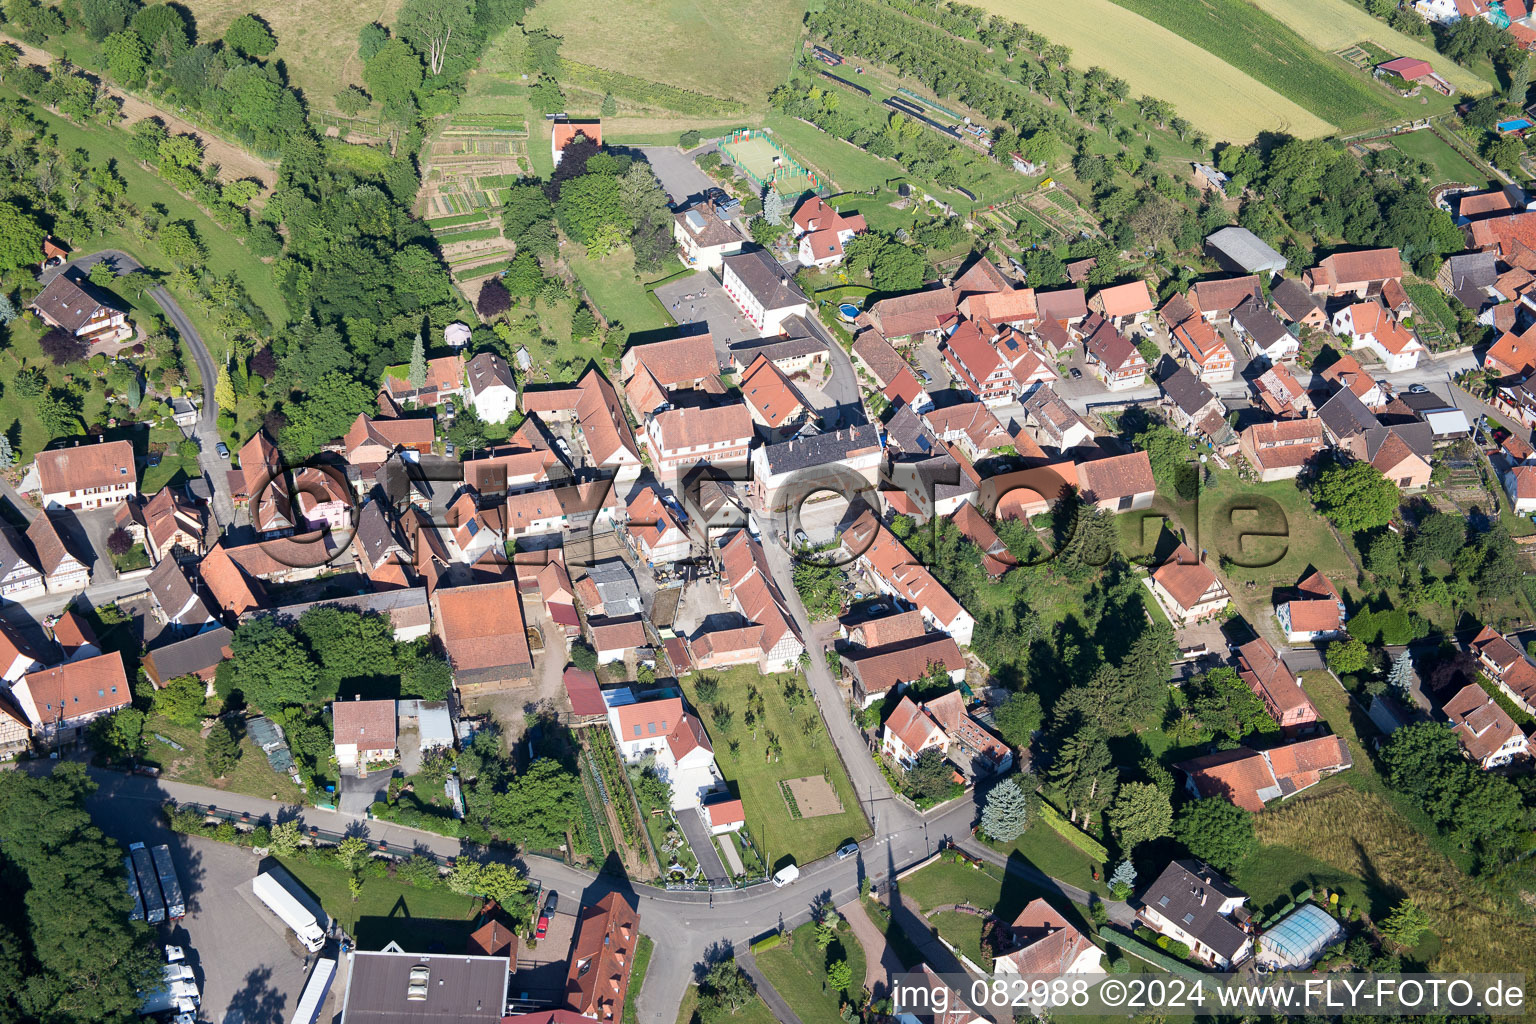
(545, 914)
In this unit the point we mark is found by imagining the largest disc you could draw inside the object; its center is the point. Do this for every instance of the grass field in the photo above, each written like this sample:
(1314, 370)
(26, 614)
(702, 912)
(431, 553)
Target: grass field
(418, 919)
(944, 883)
(611, 284)
(1449, 165)
(316, 39)
(1223, 101)
(1049, 851)
(737, 49)
(1277, 546)
(757, 155)
(1247, 37)
(1362, 835)
(252, 776)
(797, 970)
(744, 765)
(1335, 24)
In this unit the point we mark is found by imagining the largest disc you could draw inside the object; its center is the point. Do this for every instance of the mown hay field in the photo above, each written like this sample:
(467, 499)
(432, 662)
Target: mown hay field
(1335, 24)
(1222, 101)
(1361, 834)
(737, 49)
(316, 39)
(1247, 37)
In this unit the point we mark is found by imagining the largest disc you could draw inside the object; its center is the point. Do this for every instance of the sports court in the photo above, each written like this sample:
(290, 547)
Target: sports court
(764, 161)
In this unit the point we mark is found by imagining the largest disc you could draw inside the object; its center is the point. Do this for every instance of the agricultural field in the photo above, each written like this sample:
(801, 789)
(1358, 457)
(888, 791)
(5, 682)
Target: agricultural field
(1337, 24)
(1266, 48)
(734, 49)
(316, 39)
(1223, 101)
(466, 168)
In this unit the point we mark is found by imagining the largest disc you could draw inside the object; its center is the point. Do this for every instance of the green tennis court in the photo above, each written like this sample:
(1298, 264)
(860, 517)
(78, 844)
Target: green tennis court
(765, 162)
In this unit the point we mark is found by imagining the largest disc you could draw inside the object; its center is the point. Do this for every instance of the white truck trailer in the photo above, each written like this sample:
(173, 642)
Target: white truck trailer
(178, 989)
(271, 891)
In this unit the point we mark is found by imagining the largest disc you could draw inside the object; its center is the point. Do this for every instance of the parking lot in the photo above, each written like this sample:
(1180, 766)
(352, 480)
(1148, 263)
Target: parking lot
(699, 299)
(248, 965)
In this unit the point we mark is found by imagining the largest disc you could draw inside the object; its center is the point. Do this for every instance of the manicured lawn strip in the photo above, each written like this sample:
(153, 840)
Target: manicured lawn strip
(1264, 47)
(797, 970)
(756, 779)
(613, 287)
(643, 950)
(754, 1012)
(388, 910)
(252, 775)
(1273, 875)
(945, 882)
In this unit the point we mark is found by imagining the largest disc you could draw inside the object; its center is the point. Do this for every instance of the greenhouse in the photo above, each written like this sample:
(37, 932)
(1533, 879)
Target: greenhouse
(1299, 939)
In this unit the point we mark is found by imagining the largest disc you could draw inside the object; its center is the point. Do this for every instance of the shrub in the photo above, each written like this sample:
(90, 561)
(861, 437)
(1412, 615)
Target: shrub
(770, 941)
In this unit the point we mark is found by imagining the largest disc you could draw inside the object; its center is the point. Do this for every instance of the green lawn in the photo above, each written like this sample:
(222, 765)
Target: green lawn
(963, 931)
(1273, 875)
(945, 882)
(252, 776)
(755, 1012)
(1264, 534)
(1050, 851)
(616, 290)
(1449, 165)
(643, 950)
(387, 910)
(797, 970)
(744, 763)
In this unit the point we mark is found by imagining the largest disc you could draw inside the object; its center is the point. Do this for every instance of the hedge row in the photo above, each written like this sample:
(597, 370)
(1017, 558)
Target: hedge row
(643, 90)
(1074, 835)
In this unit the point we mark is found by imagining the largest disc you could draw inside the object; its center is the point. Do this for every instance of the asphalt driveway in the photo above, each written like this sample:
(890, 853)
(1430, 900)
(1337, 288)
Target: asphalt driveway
(679, 175)
(703, 847)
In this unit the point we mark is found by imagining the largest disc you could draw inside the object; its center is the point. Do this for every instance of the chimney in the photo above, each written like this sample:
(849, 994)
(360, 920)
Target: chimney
(357, 696)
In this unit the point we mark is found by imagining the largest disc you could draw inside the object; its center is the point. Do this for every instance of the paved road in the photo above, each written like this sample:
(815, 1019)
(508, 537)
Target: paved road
(206, 432)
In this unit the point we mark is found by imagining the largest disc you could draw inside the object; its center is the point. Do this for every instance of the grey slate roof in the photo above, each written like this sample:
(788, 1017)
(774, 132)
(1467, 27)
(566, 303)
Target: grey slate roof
(1264, 327)
(404, 606)
(1293, 298)
(1346, 416)
(820, 449)
(194, 654)
(909, 436)
(765, 279)
(787, 347)
(1470, 274)
(1186, 391)
(616, 586)
(1188, 893)
(1245, 250)
(376, 537)
(173, 590)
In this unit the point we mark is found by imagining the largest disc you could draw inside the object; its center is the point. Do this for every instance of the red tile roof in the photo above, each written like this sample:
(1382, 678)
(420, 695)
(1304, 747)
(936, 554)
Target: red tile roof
(482, 629)
(75, 689)
(1126, 299)
(770, 393)
(78, 467)
(368, 723)
(602, 957)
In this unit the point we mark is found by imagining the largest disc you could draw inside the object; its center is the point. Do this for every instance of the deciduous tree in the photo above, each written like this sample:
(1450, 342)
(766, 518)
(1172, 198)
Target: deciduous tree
(1216, 831)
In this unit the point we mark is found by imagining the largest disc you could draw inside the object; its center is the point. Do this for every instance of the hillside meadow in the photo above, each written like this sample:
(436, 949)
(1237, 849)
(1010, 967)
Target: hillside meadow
(1335, 24)
(737, 49)
(1224, 102)
(316, 39)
